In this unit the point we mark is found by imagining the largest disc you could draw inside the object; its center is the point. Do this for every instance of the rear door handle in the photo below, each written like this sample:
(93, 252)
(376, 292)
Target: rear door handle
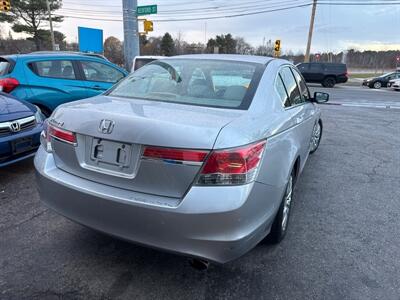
(96, 87)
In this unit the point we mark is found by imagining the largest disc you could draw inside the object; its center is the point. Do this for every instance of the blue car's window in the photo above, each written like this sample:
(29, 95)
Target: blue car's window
(4, 67)
(62, 69)
(214, 83)
(95, 71)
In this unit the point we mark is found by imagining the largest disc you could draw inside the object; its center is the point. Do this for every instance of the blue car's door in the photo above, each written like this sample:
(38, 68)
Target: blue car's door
(99, 76)
(55, 81)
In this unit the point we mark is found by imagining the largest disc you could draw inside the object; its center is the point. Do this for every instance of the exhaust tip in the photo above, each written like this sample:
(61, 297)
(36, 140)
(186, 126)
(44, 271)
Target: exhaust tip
(199, 264)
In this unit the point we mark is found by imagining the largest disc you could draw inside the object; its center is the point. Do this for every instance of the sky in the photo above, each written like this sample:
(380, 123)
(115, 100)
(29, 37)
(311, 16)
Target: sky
(337, 28)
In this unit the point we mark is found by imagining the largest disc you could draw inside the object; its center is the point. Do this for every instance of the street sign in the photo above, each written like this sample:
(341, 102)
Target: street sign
(146, 10)
(90, 40)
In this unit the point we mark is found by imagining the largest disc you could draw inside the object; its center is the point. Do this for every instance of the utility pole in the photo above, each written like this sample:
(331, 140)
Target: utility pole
(131, 32)
(310, 32)
(53, 41)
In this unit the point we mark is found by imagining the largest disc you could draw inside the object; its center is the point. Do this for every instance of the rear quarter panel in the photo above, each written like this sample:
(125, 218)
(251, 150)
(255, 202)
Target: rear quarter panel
(267, 119)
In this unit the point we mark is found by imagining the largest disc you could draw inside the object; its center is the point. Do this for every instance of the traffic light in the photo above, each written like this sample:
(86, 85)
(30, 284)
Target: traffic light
(398, 59)
(148, 25)
(277, 47)
(5, 5)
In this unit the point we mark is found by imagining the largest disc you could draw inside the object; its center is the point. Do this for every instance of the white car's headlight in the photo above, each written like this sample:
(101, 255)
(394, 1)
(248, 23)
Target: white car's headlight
(39, 115)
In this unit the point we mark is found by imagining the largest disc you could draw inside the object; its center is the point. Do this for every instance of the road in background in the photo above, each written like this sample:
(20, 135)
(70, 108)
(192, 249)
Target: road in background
(343, 241)
(361, 96)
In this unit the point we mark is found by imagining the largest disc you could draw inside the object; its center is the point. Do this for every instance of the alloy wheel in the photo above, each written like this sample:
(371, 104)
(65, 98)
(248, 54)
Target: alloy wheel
(287, 204)
(377, 85)
(316, 137)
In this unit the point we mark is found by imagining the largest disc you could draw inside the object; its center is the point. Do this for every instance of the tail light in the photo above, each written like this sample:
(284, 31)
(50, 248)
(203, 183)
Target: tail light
(7, 85)
(51, 132)
(178, 156)
(233, 166)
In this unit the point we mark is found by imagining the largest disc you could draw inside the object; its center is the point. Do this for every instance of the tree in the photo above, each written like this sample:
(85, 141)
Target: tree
(224, 43)
(242, 47)
(167, 45)
(113, 50)
(29, 16)
(45, 39)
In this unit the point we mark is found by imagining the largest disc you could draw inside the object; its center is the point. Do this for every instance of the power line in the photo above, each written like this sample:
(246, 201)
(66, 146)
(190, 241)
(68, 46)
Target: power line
(249, 11)
(200, 18)
(210, 10)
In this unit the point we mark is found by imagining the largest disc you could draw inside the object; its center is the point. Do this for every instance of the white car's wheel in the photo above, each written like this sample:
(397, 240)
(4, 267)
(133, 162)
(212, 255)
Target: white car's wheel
(280, 225)
(316, 137)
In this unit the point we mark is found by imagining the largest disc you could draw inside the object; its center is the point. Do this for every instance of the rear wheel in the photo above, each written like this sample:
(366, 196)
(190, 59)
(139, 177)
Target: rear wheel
(329, 82)
(280, 225)
(377, 85)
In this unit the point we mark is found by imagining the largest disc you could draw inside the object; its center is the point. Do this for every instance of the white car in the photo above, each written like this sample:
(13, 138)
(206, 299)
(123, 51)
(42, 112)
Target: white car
(394, 84)
(140, 61)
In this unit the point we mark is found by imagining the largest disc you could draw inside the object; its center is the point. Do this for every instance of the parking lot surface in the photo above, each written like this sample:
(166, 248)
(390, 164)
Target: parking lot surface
(343, 241)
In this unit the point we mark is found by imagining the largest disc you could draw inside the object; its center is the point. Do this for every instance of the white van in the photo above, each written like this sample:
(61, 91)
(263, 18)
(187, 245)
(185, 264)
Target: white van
(140, 61)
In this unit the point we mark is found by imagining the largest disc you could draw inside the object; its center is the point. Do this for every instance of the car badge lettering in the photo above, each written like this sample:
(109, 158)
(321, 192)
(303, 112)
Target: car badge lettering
(15, 127)
(106, 126)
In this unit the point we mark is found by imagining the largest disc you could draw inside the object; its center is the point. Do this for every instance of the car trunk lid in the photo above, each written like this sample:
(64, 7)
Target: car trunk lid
(112, 134)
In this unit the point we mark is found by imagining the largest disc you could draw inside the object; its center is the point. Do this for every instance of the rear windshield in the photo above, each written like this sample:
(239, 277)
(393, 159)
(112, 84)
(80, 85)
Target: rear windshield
(5, 67)
(212, 83)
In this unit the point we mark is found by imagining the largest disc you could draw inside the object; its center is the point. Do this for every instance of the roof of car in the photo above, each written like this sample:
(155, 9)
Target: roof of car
(56, 54)
(233, 57)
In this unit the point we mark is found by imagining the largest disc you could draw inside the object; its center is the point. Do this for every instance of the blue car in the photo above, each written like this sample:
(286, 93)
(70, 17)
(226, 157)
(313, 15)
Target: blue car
(20, 126)
(48, 79)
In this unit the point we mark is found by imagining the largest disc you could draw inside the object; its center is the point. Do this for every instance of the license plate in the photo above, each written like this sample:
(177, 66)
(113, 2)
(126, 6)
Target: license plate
(111, 153)
(111, 157)
(21, 145)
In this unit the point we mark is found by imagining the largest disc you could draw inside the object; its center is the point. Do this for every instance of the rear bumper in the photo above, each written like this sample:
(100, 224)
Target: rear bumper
(342, 79)
(214, 223)
(6, 155)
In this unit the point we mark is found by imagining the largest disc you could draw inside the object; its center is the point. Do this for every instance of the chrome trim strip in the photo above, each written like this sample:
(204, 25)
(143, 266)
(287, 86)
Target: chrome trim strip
(173, 161)
(6, 125)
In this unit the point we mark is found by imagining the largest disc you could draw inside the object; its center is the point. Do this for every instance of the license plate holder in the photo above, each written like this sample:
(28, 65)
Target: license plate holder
(21, 145)
(111, 157)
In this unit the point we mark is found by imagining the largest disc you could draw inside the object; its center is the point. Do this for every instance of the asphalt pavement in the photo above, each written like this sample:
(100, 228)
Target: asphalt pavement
(343, 240)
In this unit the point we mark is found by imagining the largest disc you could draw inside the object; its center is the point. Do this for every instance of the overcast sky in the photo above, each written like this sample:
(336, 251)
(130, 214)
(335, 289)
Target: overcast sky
(337, 27)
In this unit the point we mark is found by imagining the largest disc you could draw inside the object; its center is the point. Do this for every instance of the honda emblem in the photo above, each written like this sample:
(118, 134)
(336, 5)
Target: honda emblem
(15, 127)
(106, 126)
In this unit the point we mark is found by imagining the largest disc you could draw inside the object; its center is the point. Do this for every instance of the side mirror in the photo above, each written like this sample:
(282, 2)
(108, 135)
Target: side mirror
(320, 97)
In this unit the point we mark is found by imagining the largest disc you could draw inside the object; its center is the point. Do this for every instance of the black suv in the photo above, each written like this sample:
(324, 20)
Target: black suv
(327, 74)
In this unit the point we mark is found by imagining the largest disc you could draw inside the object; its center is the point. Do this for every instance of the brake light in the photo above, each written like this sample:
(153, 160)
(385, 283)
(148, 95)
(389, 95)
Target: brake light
(233, 166)
(172, 155)
(61, 134)
(7, 85)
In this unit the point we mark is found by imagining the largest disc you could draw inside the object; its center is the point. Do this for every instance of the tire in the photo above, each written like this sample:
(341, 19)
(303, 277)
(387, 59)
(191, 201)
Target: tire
(316, 137)
(377, 85)
(329, 82)
(280, 225)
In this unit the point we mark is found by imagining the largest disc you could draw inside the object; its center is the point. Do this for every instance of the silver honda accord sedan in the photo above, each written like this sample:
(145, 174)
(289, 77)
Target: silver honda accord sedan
(197, 154)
